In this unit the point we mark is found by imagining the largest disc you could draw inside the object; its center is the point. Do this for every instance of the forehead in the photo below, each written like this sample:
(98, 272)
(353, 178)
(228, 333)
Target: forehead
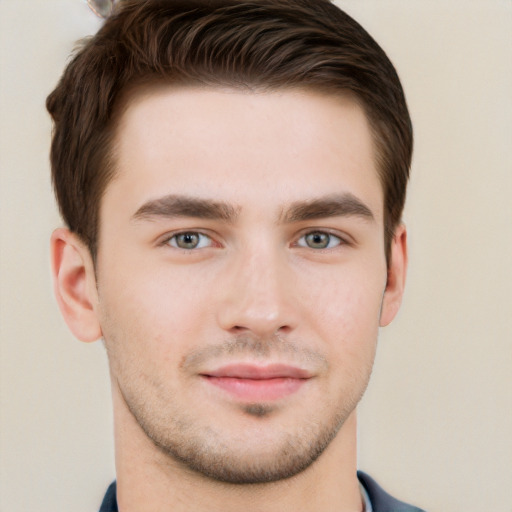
(279, 146)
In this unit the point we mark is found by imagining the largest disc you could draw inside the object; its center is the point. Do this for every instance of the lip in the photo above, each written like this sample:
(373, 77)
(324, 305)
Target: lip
(248, 382)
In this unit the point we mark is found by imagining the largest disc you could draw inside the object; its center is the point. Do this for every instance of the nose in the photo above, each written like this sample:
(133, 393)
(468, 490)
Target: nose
(257, 297)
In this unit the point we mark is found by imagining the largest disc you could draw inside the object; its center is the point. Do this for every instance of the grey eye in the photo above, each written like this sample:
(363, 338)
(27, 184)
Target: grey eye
(190, 240)
(319, 240)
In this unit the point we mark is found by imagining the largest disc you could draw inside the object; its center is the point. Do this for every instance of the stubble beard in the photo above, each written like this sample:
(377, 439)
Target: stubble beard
(205, 452)
(211, 453)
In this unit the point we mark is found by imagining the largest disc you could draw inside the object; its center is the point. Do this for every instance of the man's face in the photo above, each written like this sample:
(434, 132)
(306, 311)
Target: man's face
(241, 274)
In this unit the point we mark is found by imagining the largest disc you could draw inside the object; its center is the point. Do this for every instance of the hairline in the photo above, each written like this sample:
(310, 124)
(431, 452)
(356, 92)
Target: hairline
(144, 87)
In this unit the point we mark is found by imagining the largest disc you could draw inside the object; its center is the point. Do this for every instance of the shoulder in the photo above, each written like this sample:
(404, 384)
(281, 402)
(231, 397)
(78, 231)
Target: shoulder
(381, 501)
(109, 503)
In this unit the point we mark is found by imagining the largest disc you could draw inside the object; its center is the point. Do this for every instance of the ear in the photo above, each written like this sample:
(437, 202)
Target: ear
(397, 270)
(74, 284)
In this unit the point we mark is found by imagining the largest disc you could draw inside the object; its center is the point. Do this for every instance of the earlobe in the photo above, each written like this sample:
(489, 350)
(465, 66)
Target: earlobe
(397, 270)
(74, 284)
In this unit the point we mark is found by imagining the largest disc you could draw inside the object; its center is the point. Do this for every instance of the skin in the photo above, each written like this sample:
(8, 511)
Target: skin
(272, 280)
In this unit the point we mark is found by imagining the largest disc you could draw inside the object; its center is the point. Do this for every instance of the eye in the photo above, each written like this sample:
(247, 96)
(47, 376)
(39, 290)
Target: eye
(190, 240)
(319, 240)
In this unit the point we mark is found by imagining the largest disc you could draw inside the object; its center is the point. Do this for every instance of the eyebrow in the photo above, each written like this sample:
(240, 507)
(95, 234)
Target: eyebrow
(183, 206)
(336, 205)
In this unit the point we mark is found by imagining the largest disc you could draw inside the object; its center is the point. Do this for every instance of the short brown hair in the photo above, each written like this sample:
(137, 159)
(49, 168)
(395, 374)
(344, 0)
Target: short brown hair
(253, 44)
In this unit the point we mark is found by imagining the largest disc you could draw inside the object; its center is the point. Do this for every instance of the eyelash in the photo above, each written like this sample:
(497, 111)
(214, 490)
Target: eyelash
(339, 241)
(331, 237)
(174, 236)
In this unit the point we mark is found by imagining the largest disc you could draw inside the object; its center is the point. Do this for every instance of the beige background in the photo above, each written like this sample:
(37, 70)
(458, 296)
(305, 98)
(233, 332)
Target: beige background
(436, 424)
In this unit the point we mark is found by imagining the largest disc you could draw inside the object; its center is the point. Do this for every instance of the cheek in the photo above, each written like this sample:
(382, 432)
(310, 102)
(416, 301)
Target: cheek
(152, 315)
(345, 312)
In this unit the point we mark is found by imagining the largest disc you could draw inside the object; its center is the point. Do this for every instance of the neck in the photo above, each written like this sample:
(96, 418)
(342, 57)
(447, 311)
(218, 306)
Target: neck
(149, 480)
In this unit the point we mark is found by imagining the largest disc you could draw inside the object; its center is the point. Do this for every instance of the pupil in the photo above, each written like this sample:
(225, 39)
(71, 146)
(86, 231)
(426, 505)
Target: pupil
(318, 240)
(189, 240)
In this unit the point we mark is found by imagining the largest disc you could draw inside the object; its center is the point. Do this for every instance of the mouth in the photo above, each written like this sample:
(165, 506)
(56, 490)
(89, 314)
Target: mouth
(253, 383)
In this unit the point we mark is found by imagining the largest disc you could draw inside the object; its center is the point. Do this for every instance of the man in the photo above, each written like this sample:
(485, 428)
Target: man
(232, 175)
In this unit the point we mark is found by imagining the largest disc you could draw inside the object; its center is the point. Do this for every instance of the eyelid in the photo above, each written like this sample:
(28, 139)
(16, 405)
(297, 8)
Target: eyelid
(344, 239)
(165, 239)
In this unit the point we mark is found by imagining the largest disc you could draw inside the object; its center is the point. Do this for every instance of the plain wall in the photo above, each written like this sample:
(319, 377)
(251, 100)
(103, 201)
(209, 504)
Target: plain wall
(436, 423)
